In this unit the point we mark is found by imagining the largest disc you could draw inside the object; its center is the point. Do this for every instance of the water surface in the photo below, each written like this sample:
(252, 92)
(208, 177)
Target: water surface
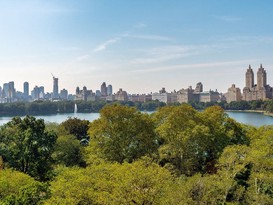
(250, 118)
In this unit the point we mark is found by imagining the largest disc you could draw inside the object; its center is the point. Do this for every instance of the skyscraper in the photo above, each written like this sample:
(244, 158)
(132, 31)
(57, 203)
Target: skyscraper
(64, 94)
(249, 78)
(55, 88)
(26, 89)
(261, 77)
(109, 90)
(11, 92)
(261, 90)
(5, 90)
(103, 89)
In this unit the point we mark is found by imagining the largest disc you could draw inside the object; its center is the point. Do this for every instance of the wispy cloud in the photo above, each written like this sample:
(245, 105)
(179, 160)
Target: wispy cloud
(229, 18)
(192, 66)
(82, 57)
(56, 10)
(131, 34)
(105, 44)
(246, 40)
(167, 53)
(149, 37)
(140, 25)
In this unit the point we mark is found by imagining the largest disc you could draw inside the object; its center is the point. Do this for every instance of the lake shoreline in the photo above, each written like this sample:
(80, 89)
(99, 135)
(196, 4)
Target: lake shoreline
(252, 111)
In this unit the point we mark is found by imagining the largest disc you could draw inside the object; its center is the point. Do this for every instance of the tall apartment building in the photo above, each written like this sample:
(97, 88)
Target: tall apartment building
(64, 94)
(197, 95)
(233, 94)
(26, 89)
(103, 89)
(38, 93)
(164, 96)
(84, 94)
(261, 90)
(55, 94)
(185, 95)
(109, 90)
(121, 95)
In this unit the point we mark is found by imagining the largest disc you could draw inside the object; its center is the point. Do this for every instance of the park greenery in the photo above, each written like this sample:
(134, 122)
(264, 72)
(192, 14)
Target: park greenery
(176, 155)
(48, 107)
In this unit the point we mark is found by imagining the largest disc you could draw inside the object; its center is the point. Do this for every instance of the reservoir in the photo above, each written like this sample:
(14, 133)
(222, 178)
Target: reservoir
(250, 118)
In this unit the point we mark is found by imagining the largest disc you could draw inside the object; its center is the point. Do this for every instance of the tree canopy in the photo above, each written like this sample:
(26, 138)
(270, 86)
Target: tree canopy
(123, 134)
(177, 155)
(26, 146)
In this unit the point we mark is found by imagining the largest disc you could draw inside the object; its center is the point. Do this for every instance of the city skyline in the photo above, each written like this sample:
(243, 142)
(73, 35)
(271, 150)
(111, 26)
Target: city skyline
(139, 46)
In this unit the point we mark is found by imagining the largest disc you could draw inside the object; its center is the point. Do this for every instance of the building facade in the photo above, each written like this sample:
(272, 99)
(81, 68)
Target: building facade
(259, 91)
(26, 89)
(84, 94)
(233, 94)
(121, 95)
(197, 95)
(103, 89)
(55, 94)
(186, 95)
(109, 90)
(164, 96)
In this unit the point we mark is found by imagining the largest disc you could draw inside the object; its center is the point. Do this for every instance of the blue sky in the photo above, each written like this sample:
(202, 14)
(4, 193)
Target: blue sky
(138, 45)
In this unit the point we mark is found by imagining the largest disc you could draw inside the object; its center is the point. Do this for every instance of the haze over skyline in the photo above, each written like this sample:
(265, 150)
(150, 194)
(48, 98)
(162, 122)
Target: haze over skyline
(140, 46)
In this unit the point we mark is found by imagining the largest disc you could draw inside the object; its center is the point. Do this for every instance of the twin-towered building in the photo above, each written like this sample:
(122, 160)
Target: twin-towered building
(259, 91)
(251, 91)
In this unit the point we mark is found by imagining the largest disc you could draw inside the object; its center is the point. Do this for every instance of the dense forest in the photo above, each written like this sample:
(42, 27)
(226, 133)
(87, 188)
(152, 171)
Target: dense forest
(48, 107)
(177, 155)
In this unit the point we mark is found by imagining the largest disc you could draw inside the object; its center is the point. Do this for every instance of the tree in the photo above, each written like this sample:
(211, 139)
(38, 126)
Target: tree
(19, 188)
(180, 130)
(27, 147)
(260, 190)
(76, 127)
(192, 141)
(123, 134)
(68, 151)
(141, 182)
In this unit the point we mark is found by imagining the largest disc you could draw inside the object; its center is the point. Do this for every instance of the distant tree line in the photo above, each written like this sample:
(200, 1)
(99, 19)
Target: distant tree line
(48, 107)
(261, 105)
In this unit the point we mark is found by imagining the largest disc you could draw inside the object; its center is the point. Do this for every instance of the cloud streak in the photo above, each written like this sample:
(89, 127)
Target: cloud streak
(149, 37)
(105, 44)
(229, 18)
(140, 25)
(129, 35)
(172, 52)
(82, 58)
(192, 66)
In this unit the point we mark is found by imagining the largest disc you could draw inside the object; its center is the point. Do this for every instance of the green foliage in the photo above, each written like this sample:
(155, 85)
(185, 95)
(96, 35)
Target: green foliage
(19, 188)
(123, 134)
(27, 147)
(194, 158)
(141, 182)
(76, 127)
(68, 151)
(260, 157)
(192, 141)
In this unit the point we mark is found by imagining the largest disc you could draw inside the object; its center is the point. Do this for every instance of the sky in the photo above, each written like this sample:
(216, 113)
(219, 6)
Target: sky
(137, 45)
